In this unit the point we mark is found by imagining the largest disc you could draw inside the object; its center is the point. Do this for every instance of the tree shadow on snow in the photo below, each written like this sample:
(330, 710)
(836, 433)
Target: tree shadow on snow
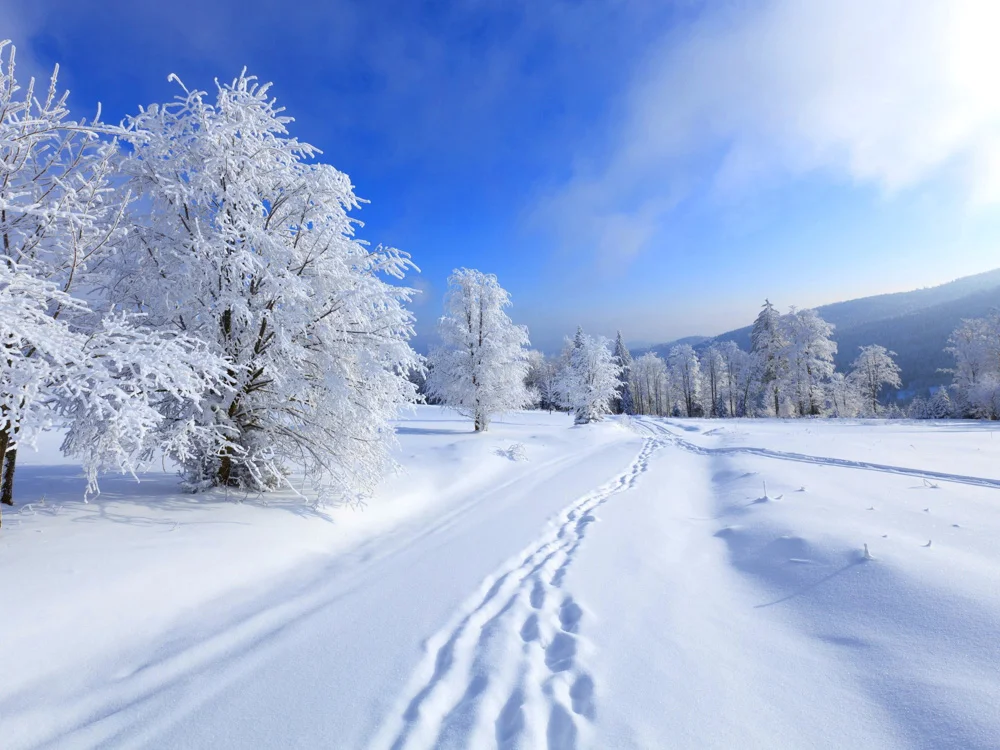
(47, 490)
(464, 430)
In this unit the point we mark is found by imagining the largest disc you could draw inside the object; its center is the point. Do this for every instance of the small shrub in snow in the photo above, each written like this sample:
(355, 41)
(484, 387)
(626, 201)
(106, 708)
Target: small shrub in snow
(515, 452)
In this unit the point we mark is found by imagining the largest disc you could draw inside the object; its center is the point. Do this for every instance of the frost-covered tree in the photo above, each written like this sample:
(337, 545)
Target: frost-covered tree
(713, 367)
(541, 381)
(626, 402)
(749, 386)
(480, 370)
(735, 371)
(843, 397)
(871, 372)
(975, 345)
(808, 352)
(650, 386)
(768, 346)
(118, 389)
(241, 239)
(940, 406)
(919, 408)
(533, 376)
(53, 186)
(590, 377)
(685, 371)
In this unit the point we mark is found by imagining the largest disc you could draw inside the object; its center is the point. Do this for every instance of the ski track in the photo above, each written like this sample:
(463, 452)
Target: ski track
(664, 432)
(251, 630)
(470, 692)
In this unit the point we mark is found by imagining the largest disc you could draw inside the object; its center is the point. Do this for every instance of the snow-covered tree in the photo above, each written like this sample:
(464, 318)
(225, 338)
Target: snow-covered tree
(625, 403)
(241, 239)
(650, 386)
(843, 397)
(940, 406)
(749, 385)
(736, 374)
(713, 367)
(53, 185)
(919, 408)
(975, 345)
(808, 352)
(118, 389)
(768, 346)
(541, 381)
(590, 378)
(685, 371)
(533, 376)
(873, 370)
(480, 370)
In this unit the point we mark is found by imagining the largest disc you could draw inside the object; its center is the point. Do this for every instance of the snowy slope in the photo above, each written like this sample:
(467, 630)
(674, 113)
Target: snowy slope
(627, 585)
(126, 614)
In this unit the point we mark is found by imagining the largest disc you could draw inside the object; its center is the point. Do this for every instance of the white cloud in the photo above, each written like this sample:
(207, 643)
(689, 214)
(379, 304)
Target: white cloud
(890, 93)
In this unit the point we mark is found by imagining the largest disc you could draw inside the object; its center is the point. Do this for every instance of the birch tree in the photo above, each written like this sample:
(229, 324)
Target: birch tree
(713, 372)
(734, 363)
(649, 384)
(685, 370)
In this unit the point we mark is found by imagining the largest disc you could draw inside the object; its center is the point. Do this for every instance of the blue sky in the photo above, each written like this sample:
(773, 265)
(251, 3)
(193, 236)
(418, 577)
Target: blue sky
(656, 167)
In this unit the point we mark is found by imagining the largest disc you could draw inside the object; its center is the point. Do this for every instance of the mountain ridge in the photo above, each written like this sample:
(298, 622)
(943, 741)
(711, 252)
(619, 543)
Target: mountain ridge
(914, 324)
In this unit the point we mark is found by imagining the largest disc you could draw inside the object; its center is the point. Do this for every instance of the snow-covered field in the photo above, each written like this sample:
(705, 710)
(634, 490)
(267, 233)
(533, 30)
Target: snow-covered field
(615, 585)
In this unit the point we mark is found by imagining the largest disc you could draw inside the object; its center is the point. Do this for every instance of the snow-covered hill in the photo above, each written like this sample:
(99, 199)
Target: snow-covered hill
(629, 584)
(915, 324)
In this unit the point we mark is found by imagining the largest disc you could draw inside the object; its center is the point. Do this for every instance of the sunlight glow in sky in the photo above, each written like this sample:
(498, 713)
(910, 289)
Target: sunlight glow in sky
(650, 166)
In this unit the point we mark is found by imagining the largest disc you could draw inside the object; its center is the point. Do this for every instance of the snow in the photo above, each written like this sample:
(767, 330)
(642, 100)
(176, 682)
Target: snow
(622, 584)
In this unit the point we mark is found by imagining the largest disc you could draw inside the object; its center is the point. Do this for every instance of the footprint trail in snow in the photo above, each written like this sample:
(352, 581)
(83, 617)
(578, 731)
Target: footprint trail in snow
(509, 670)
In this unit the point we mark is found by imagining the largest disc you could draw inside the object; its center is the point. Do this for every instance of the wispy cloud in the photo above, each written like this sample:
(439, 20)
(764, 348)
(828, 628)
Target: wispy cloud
(890, 93)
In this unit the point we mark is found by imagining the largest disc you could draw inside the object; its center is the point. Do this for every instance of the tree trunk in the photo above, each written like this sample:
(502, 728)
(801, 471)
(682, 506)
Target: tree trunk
(225, 474)
(7, 485)
(4, 444)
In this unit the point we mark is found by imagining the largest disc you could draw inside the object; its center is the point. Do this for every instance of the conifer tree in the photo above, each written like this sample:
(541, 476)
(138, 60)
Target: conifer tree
(590, 378)
(767, 344)
(808, 354)
(625, 403)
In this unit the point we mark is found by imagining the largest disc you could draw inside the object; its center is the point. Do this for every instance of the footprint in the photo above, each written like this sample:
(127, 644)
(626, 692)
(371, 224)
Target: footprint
(560, 653)
(581, 525)
(538, 595)
(529, 631)
(562, 570)
(569, 615)
(582, 695)
(561, 732)
(510, 722)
